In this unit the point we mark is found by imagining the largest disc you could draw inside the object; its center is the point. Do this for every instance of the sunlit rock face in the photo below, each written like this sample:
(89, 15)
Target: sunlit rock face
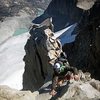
(75, 91)
(7, 93)
(72, 91)
(85, 4)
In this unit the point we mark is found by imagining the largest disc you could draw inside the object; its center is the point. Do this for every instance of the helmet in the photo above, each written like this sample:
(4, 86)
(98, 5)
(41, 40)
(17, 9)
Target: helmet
(57, 67)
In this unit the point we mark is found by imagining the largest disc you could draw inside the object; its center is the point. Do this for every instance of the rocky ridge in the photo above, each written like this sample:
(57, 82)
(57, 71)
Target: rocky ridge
(75, 91)
(89, 90)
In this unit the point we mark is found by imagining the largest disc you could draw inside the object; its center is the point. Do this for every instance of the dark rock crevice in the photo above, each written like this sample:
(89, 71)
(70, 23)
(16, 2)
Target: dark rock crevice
(37, 67)
(84, 53)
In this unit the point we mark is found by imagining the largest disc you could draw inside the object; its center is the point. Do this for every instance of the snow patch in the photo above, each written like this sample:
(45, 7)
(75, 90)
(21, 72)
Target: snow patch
(11, 61)
(65, 35)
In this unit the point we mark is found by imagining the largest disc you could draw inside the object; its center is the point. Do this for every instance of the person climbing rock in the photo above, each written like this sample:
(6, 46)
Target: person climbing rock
(62, 72)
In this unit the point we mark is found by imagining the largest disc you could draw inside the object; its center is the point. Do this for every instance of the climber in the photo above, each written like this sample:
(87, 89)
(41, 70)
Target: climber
(62, 72)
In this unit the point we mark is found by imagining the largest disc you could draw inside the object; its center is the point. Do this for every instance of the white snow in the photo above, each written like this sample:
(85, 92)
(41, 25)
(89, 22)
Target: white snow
(10, 24)
(11, 61)
(59, 33)
(65, 35)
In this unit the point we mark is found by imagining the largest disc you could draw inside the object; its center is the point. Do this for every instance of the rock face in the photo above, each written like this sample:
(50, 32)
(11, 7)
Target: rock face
(7, 93)
(41, 52)
(69, 91)
(81, 53)
(84, 53)
(85, 4)
(72, 91)
(87, 89)
(80, 92)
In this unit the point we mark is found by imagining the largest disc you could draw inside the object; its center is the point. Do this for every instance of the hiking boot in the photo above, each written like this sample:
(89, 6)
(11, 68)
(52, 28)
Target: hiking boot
(53, 92)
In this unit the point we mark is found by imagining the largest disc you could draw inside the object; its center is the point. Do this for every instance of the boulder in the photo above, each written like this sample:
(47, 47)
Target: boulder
(7, 93)
(85, 4)
(95, 84)
(80, 91)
